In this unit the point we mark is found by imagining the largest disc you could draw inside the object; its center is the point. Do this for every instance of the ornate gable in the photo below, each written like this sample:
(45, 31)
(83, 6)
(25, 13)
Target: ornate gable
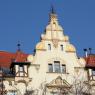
(58, 83)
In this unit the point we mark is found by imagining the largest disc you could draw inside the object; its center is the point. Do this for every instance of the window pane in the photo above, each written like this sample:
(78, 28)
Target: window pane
(50, 67)
(21, 68)
(93, 72)
(57, 66)
(63, 69)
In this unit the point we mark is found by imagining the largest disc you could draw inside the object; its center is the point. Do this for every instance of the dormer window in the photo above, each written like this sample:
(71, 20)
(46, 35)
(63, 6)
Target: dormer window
(61, 47)
(49, 46)
(21, 70)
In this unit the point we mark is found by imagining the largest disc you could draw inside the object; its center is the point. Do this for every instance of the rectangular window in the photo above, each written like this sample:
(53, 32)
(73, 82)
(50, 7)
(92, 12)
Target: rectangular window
(63, 68)
(57, 66)
(21, 70)
(61, 46)
(49, 46)
(93, 72)
(50, 66)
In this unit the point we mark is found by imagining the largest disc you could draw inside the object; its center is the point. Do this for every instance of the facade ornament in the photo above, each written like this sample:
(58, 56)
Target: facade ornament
(55, 42)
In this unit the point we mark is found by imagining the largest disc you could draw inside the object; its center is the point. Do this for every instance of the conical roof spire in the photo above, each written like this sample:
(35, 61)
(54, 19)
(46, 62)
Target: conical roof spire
(52, 10)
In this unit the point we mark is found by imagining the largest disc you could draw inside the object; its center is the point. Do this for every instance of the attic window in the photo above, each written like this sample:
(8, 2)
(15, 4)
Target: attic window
(61, 47)
(21, 70)
(49, 46)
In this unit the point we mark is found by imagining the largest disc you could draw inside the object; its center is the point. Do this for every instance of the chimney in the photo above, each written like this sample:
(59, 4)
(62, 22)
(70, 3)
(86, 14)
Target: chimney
(86, 53)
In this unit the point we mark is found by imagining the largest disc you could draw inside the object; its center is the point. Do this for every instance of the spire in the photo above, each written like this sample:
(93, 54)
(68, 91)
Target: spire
(18, 45)
(53, 15)
(52, 10)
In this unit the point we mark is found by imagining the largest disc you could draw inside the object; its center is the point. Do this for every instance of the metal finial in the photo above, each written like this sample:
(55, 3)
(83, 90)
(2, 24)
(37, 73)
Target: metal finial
(18, 45)
(52, 10)
(85, 49)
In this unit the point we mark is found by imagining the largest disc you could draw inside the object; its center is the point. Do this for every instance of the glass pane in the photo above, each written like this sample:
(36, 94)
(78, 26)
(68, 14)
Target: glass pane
(50, 67)
(21, 74)
(57, 66)
(63, 69)
(21, 68)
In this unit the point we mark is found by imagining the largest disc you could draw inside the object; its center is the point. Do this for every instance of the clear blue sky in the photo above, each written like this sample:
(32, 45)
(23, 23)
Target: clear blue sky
(25, 20)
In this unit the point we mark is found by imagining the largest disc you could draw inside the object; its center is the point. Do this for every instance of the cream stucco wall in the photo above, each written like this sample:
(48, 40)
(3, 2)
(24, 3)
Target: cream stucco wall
(39, 74)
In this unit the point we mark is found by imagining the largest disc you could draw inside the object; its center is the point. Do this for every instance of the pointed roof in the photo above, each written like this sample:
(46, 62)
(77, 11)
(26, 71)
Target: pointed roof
(6, 58)
(53, 21)
(20, 56)
(90, 60)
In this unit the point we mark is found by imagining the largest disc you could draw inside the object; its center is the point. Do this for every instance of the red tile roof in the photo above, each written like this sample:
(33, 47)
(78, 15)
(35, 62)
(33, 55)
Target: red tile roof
(90, 60)
(6, 58)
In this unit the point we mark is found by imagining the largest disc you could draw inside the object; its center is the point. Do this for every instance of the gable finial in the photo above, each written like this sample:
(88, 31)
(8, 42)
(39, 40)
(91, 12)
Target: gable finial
(52, 9)
(18, 45)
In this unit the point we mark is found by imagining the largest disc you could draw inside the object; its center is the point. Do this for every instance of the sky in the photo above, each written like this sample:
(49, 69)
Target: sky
(25, 21)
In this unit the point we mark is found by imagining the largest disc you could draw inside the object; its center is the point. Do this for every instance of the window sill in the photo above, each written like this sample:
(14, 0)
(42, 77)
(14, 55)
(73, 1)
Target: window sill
(55, 73)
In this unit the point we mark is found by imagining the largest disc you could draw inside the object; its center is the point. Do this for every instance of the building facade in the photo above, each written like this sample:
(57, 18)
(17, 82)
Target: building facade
(53, 69)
